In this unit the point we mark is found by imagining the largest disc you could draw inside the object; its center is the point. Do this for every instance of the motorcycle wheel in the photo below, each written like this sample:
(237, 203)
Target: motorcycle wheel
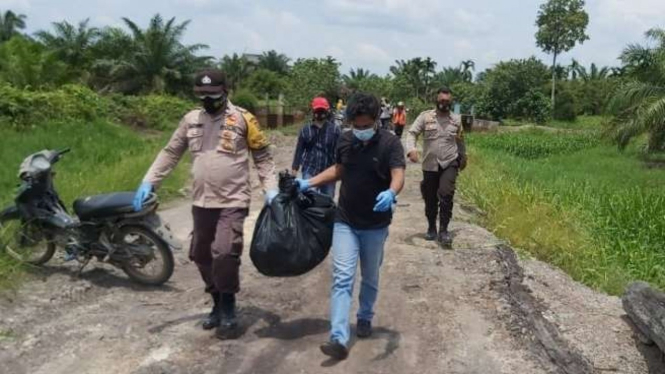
(152, 261)
(24, 242)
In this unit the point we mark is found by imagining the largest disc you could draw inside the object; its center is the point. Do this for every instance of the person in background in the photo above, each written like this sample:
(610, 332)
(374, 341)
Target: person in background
(317, 145)
(370, 163)
(386, 114)
(220, 138)
(444, 156)
(399, 119)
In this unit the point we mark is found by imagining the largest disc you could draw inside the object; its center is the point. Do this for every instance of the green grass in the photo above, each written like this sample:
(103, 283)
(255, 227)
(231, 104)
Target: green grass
(104, 157)
(533, 144)
(595, 212)
(7, 335)
(581, 123)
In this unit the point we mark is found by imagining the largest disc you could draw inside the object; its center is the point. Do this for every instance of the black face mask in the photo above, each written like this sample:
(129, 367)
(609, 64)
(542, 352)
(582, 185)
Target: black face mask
(443, 106)
(320, 116)
(213, 106)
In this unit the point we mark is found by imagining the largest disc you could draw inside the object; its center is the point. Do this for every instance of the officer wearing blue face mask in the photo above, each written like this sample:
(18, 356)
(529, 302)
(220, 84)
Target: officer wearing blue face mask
(370, 164)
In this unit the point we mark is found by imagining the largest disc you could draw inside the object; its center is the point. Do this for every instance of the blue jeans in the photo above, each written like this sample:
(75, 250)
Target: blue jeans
(349, 246)
(327, 189)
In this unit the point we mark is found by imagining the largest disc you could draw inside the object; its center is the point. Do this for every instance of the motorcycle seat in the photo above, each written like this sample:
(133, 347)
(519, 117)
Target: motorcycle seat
(103, 206)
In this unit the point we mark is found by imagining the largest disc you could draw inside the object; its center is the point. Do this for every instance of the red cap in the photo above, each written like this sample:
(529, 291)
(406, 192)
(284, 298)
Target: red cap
(320, 103)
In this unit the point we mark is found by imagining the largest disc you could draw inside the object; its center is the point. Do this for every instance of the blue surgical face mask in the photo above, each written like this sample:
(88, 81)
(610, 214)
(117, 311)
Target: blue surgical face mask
(364, 135)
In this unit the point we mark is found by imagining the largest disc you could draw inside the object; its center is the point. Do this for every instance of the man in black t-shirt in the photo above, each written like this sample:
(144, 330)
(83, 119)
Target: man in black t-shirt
(370, 163)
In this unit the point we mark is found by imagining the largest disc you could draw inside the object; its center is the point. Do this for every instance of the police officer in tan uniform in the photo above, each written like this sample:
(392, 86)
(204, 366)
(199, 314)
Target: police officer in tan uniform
(220, 138)
(444, 156)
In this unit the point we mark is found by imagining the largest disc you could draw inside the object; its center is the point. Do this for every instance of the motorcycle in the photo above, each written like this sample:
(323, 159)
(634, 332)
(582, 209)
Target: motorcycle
(105, 227)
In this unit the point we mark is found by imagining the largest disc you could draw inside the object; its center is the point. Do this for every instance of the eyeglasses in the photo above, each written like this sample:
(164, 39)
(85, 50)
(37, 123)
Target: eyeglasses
(209, 96)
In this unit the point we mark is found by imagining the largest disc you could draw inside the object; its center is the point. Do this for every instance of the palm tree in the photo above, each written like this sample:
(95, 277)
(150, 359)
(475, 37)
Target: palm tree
(468, 67)
(418, 73)
(449, 76)
(25, 64)
(156, 61)
(10, 24)
(640, 61)
(356, 77)
(573, 68)
(72, 44)
(617, 71)
(593, 74)
(560, 72)
(639, 105)
(237, 68)
(428, 69)
(273, 61)
(409, 72)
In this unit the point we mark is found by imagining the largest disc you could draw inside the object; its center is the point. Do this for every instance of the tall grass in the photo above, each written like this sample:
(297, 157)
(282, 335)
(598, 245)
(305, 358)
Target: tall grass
(104, 157)
(532, 144)
(591, 210)
(581, 123)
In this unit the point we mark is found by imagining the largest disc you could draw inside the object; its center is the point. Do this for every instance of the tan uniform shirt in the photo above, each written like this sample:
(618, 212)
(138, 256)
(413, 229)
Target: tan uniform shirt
(220, 148)
(441, 136)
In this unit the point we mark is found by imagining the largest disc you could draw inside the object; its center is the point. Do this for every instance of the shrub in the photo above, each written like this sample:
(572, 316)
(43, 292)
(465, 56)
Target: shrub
(533, 106)
(565, 108)
(509, 90)
(22, 109)
(245, 99)
(159, 112)
(415, 107)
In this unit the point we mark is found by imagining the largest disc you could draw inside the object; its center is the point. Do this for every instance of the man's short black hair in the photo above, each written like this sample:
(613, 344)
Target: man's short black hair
(444, 90)
(362, 104)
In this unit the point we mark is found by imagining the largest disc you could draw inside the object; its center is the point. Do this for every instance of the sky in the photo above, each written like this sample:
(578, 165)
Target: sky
(371, 34)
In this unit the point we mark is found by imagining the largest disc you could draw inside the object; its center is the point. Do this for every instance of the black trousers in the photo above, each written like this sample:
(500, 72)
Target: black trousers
(399, 130)
(438, 191)
(216, 247)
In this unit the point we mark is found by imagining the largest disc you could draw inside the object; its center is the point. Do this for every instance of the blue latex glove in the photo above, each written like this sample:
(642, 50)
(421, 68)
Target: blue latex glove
(303, 184)
(384, 201)
(270, 196)
(141, 194)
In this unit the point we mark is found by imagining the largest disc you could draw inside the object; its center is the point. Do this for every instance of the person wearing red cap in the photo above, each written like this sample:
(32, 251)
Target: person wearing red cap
(317, 145)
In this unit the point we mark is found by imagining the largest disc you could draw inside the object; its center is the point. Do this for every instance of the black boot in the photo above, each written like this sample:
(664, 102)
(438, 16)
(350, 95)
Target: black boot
(229, 323)
(446, 214)
(214, 317)
(445, 240)
(431, 233)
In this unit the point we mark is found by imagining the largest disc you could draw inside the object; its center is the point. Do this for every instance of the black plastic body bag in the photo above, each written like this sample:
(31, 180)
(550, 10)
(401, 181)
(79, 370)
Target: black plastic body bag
(294, 233)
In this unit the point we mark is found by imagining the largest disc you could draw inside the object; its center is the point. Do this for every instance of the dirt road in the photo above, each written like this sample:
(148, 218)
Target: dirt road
(472, 310)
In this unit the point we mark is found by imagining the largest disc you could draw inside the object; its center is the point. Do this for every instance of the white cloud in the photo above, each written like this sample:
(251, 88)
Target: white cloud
(15, 5)
(288, 19)
(463, 45)
(371, 53)
(196, 3)
(336, 51)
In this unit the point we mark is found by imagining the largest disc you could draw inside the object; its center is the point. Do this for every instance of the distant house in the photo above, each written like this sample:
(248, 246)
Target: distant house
(251, 58)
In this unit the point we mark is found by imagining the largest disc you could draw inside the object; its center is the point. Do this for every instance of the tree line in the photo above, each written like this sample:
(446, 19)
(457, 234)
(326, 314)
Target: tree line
(136, 60)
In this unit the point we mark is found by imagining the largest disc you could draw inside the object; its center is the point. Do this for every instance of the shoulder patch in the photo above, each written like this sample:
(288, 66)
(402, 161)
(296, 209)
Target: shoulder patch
(256, 139)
